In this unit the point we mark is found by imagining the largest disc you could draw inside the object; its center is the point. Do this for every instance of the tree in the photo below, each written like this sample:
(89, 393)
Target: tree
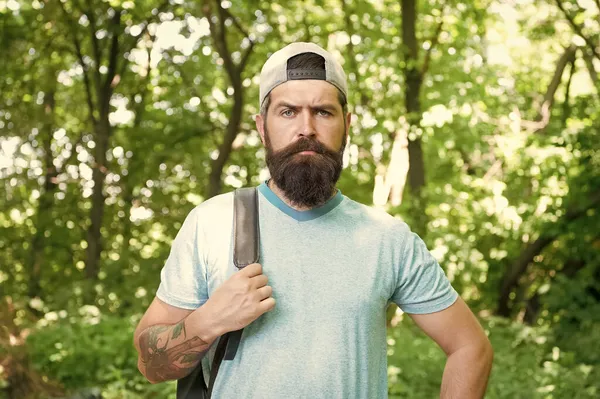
(101, 53)
(218, 31)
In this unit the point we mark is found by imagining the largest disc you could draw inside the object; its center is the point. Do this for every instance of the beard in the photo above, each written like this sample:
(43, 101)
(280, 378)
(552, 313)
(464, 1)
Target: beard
(307, 180)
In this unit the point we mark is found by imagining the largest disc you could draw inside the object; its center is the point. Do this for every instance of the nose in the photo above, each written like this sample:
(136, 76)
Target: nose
(308, 124)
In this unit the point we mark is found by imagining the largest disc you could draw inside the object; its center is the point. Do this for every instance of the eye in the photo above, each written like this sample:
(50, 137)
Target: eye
(322, 112)
(288, 112)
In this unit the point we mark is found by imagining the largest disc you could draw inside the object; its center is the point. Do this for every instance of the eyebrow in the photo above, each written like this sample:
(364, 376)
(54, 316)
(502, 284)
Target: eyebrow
(325, 106)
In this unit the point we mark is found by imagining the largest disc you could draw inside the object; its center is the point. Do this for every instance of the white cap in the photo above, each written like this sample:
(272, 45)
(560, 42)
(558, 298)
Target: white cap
(275, 72)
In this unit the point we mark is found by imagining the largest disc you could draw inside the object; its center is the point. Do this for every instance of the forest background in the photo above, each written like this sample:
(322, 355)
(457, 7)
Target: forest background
(476, 122)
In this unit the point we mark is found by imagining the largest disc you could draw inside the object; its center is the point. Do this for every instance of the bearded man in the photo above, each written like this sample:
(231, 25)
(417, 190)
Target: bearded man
(333, 265)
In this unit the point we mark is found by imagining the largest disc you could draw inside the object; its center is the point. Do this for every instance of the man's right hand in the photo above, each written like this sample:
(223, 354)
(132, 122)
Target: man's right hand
(241, 299)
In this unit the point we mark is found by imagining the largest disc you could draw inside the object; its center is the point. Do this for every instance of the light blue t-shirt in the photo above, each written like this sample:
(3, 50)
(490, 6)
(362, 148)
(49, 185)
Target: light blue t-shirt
(333, 269)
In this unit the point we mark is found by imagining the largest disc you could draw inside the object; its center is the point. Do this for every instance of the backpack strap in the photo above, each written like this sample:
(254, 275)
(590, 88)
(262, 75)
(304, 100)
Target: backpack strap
(245, 245)
(245, 252)
(245, 227)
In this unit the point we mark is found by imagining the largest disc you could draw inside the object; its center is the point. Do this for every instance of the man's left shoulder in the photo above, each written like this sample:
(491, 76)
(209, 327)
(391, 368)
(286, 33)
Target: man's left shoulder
(373, 216)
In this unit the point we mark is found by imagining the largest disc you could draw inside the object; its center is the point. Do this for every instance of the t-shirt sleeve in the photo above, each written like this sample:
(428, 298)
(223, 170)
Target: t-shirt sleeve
(421, 285)
(183, 277)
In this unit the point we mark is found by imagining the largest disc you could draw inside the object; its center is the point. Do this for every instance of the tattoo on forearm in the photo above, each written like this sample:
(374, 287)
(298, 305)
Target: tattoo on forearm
(168, 354)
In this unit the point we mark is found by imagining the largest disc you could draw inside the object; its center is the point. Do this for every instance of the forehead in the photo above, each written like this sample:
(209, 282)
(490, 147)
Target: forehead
(305, 92)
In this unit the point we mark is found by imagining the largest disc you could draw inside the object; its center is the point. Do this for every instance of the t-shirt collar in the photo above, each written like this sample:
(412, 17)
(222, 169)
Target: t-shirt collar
(301, 216)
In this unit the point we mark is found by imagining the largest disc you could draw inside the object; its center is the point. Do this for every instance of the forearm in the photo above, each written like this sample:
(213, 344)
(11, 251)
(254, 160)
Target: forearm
(467, 372)
(169, 352)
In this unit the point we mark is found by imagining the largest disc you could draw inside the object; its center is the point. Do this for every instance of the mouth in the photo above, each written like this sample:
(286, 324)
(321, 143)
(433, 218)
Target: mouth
(307, 152)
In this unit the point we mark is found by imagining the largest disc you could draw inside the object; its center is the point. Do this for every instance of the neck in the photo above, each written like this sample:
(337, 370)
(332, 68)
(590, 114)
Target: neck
(271, 184)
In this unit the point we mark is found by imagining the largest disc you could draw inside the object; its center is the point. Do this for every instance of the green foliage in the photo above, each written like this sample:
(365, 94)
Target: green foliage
(500, 176)
(525, 365)
(93, 351)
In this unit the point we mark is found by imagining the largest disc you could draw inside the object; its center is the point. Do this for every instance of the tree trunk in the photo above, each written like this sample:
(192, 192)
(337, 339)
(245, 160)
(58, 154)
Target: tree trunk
(394, 180)
(94, 235)
(46, 201)
(406, 160)
(128, 182)
(518, 268)
(98, 95)
(413, 80)
(102, 133)
(216, 170)
(532, 309)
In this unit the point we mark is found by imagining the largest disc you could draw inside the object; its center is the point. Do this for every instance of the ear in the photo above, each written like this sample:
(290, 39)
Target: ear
(260, 126)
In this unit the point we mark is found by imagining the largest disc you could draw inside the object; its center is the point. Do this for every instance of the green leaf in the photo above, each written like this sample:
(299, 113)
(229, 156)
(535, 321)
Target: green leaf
(189, 358)
(177, 330)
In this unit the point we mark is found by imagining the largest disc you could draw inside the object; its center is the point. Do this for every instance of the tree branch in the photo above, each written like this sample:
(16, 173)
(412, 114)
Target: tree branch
(567, 57)
(129, 46)
(112, 63)
(533, 306)
(95, 46)
(188, 135)
(218, 35)
(96, 51)
(246, 56)
(236, 22)
(589, 62)
(566, 106)
(519, 267)
(434, 42)
(139, 108)
(220, 40)
(543, 117)
(86, 79)
(578, 29)
(244, 31)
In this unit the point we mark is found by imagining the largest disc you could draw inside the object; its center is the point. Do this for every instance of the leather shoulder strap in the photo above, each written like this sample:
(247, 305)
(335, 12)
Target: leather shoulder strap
(218, 358)
(245, 227)
(192, 386)
(245, 252)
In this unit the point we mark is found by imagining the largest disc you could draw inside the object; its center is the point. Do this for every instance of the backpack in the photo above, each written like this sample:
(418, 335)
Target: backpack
(245, 252)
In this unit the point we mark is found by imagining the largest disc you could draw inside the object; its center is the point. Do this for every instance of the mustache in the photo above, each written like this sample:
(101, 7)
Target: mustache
(304, 145)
